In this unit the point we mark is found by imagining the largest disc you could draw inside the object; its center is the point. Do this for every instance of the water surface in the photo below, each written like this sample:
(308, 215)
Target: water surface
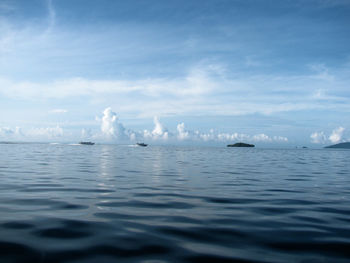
(76, 203)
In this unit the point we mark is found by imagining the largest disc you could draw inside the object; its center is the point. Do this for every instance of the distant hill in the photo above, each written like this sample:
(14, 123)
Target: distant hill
(343, 145)
(241, 144)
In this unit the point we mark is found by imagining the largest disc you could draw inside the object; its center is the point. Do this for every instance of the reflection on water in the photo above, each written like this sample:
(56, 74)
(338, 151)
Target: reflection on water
(74, 203)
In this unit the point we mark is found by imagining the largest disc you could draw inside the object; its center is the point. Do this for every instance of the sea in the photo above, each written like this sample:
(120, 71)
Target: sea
(121, 203)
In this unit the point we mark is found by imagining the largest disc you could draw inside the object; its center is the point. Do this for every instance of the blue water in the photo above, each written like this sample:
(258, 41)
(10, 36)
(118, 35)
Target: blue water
(110, 203)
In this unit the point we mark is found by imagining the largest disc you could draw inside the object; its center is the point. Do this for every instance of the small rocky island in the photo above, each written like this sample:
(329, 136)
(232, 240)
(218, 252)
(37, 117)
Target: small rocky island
(343, 145)
(241, 144)
(87, 143)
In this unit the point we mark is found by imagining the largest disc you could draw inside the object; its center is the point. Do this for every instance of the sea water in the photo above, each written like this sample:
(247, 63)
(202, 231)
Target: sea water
(112, 203)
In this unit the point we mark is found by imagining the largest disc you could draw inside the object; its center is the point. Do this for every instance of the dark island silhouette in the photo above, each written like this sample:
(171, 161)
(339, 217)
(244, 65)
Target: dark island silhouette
(241, 144)
(87, 143)
(343, 145)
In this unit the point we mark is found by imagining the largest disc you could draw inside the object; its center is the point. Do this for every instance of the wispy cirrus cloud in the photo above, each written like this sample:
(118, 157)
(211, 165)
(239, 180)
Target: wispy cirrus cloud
(203, 91)
(58, 111)
(6, 7)
(51, 16)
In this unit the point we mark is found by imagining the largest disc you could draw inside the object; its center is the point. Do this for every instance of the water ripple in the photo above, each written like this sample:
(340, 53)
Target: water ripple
(108, 203)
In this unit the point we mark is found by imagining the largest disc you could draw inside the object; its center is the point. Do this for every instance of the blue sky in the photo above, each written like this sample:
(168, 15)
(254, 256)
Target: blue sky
(270, 72)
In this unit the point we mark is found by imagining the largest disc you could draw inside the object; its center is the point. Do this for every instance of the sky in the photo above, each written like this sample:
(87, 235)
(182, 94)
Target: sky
(272, 73)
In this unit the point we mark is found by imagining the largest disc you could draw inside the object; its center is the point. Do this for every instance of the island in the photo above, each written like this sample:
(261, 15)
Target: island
(241, 144)
(343, 145)
(87, 143)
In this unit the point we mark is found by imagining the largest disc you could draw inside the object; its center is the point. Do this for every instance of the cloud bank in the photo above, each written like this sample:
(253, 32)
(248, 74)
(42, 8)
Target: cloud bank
(36, 134)
(113, 130)
(321, 138)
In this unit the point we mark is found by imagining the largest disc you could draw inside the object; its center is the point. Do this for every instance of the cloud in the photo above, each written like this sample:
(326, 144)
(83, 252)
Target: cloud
(159, 131)
(58, 111)
(336, 135)
(45, 133)
(250, 61)
(32, 134)
(182, 134)
(110, 126)
(86, 134)
(227, 137)
(6, 6)
(205, 89)
(318, 137)
(90, 65)
(196, 82)
(211, 136)
(6, 131)
(217, 86)
(51, 16)
(261, 138)
(322, 72)
(112, 129)
(280, 139)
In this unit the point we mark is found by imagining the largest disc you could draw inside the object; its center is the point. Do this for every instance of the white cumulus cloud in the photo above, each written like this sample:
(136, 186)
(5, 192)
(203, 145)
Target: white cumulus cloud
(337, 135)
(227, 137)
(110, 125)
(280, 139)
(261, 138)
(182, 133)
(318, 137)
(159, 131)
(233, 137)
(112, 129)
